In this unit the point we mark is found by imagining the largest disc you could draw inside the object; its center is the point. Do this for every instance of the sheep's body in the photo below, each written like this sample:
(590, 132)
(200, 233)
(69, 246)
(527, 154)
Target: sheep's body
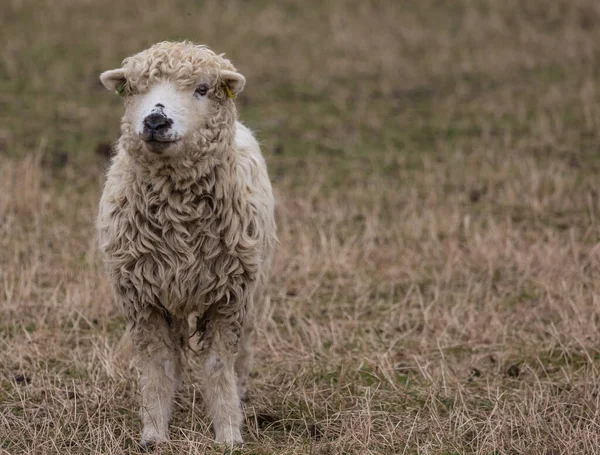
(183, 245)
(191, 233)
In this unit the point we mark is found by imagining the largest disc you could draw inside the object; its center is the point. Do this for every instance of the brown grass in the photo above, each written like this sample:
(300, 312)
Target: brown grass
(436, 166)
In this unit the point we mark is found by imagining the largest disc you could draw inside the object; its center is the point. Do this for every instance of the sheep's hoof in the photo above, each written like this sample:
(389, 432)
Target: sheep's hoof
(150, 439)
(229, 437)
(147, 446)
(230, 444)
(231, 449)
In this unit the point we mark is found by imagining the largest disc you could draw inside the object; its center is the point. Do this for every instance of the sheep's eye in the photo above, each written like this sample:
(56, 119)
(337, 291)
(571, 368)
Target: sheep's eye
(202, 89)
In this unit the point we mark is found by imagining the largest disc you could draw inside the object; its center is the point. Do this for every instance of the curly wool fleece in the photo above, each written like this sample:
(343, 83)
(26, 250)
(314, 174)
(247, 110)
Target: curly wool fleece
(191, 233)
(182, 63)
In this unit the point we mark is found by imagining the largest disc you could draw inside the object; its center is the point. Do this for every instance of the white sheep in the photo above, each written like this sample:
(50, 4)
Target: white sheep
(186, 226)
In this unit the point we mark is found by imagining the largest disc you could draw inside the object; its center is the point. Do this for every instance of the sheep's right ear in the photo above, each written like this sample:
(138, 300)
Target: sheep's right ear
(114, 80)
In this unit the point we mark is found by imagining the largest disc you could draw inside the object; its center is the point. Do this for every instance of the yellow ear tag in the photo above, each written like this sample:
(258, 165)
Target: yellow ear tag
(229, 92)
(121, 89)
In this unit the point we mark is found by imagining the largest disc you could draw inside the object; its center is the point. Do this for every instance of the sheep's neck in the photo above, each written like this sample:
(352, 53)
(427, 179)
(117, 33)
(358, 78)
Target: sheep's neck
(210, 149)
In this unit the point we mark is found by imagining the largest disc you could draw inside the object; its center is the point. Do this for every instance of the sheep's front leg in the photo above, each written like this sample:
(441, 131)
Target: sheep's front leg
(157, 347)
(219, 351)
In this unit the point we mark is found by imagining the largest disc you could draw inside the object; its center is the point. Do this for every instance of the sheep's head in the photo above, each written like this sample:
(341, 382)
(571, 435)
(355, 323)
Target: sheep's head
(173, 92)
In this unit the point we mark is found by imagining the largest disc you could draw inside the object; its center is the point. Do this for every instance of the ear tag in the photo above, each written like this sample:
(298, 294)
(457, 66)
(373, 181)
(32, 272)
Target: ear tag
(121, 89)
(229, 92)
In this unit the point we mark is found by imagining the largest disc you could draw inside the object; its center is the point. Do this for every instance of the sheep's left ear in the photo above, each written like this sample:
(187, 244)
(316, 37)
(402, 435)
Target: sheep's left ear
(114, 80)
(233, 82)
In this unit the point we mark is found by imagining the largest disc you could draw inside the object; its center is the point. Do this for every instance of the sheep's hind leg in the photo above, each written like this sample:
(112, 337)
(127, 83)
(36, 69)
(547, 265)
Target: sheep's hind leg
(157, 342)
(220, 341)
(245, 360)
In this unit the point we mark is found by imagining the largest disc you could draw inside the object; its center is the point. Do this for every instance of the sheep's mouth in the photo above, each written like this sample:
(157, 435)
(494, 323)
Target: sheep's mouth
(157, 144)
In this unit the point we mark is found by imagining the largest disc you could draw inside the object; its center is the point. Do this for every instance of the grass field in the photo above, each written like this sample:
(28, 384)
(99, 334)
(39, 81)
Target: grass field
(436, 165)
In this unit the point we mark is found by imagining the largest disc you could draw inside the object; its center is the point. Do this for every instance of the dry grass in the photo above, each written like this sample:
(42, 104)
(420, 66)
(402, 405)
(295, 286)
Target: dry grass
(436, 165)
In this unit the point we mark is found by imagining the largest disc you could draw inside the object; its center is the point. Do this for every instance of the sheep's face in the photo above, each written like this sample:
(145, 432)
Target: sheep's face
(168, 101)
(164, 116)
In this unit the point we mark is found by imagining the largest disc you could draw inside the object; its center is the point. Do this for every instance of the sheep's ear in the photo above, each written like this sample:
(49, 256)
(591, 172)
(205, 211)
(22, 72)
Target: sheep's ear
(114, 80)
(233, 82)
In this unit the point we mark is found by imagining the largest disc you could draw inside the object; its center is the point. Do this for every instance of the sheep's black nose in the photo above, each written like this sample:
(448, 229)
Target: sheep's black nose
(157, 122)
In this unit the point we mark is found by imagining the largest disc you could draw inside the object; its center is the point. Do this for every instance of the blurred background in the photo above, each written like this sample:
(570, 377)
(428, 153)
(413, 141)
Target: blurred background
(436, 169)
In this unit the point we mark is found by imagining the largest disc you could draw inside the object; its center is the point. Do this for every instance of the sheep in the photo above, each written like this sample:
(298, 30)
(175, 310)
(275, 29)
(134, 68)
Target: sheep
(186, 227)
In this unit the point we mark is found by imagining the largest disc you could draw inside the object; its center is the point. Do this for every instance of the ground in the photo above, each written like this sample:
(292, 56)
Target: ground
(436, 171)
